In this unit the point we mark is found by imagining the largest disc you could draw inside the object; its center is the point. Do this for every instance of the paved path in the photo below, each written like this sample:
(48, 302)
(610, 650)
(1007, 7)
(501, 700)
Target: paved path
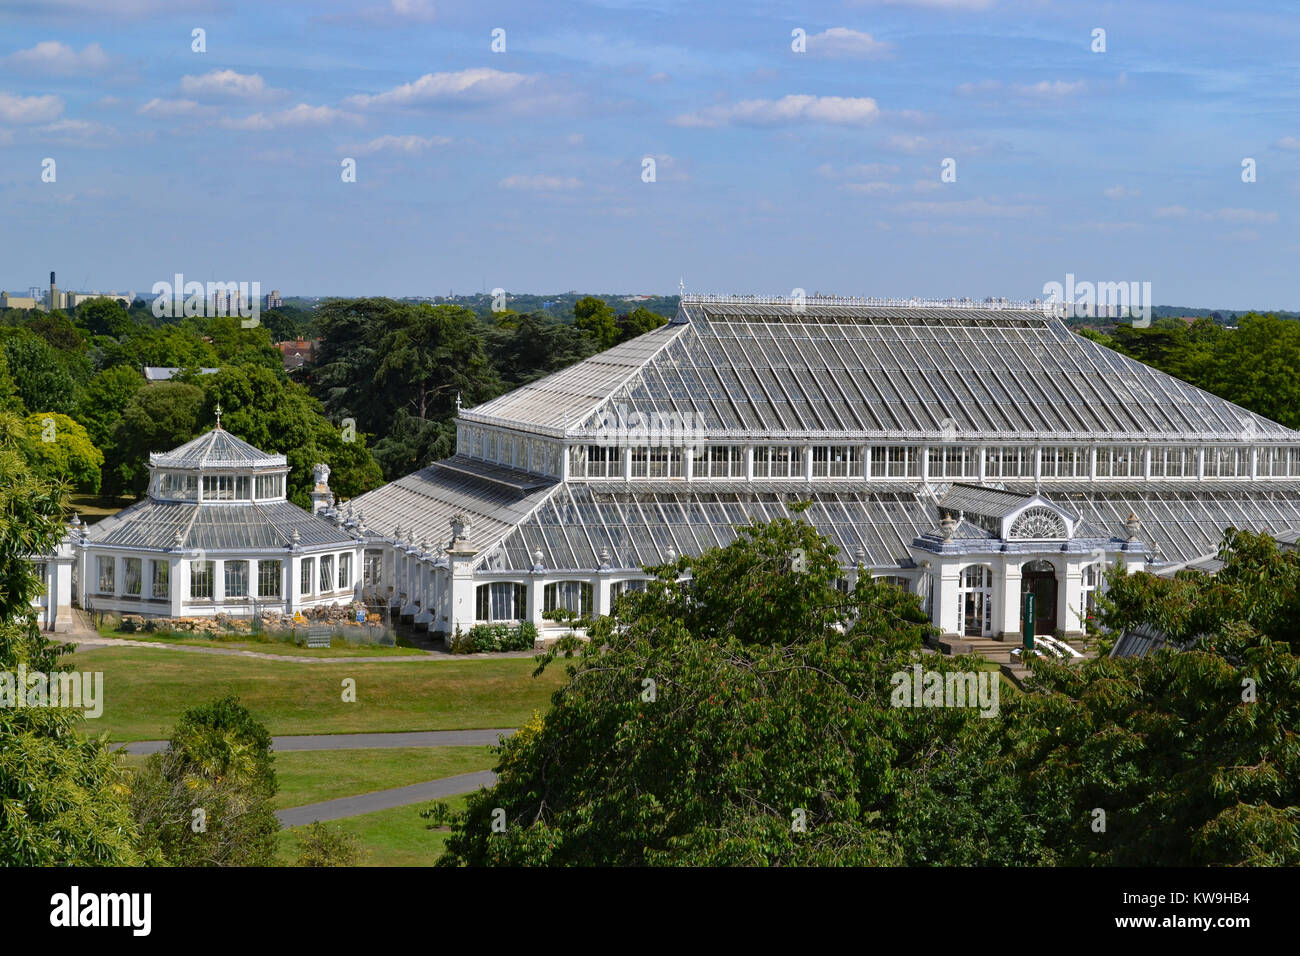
(386, 799)
(418, 738)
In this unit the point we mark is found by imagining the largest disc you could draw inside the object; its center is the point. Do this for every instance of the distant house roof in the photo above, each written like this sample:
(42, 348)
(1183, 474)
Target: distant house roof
(163, 373)
(296, 353)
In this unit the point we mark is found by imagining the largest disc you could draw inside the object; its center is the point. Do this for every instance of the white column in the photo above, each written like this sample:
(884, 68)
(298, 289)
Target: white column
(178, 583)
(749, 462)
(426, 615)
(944, 597)
(462, 595)
(536, 596)
(1069, 598)
(1011, 583)
(600, 593)
(218, 581)
(807, 462)
(289, 583)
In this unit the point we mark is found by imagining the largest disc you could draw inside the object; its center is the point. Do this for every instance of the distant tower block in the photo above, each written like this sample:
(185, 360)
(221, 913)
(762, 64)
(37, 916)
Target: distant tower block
(54, 293)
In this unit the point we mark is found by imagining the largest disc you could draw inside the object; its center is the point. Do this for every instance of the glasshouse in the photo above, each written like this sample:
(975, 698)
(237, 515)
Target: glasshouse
(214, 535)
(969, 452)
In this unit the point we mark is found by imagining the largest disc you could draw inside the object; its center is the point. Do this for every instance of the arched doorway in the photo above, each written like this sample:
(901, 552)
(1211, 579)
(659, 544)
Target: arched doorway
(1040, 578)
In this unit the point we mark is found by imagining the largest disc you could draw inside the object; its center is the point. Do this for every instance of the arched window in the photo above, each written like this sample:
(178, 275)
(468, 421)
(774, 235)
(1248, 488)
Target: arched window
(1038, 522)
(975, 601)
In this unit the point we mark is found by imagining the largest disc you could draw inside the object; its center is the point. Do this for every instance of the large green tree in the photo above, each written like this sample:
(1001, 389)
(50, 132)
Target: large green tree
(1183, 757)
(747, 719)
(398, 369)
(63, 797)
(60, 450)
(158, 417)
(277, 415)
(42, 379)
(596, 318)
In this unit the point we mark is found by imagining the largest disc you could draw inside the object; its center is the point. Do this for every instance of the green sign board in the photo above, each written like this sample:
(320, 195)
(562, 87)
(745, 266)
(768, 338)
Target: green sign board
(1028, 625)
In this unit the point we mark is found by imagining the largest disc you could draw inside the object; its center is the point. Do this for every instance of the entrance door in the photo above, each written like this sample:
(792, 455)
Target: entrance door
(1040, 578)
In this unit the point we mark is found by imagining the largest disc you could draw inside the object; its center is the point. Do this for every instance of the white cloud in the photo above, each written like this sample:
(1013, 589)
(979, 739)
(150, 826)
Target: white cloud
(539, 183)
(843, 42)
(974, 89)
(30, 109)
(872, 189)
(909, 144)
(973, 208)
(224, 83)
(1226, 214)
(1049, 89)
(794, 108)
(300, 115)
(1288, 142)
(419, 10)
(480, 83)
(1244, 216)
(1042, 90)
(168, 108)
(398, 144)
(51, 56)
(1120, 192)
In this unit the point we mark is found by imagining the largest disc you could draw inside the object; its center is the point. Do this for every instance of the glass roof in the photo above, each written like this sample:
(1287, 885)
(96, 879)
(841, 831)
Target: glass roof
(755, 370)
(216, 449)
(490, 498)
(215, 527)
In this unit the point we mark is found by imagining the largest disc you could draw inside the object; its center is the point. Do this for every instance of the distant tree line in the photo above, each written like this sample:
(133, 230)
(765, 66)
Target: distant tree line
(398, 368)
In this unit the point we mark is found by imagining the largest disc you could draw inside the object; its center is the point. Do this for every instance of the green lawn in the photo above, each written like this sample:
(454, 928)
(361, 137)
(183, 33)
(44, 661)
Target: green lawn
(395, 837)
(311, 776)
(244, 642)
(147, 689)
(92, 507)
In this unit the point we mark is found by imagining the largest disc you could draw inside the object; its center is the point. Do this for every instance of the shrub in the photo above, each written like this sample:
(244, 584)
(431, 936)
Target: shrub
(328, 846)
(488, 638)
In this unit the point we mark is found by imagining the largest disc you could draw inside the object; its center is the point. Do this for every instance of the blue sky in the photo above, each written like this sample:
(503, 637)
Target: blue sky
(774, 169)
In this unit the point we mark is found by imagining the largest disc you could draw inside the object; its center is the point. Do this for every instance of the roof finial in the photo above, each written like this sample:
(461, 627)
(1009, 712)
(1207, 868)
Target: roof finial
(458, 404)
(681, 286)
(218, 411)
